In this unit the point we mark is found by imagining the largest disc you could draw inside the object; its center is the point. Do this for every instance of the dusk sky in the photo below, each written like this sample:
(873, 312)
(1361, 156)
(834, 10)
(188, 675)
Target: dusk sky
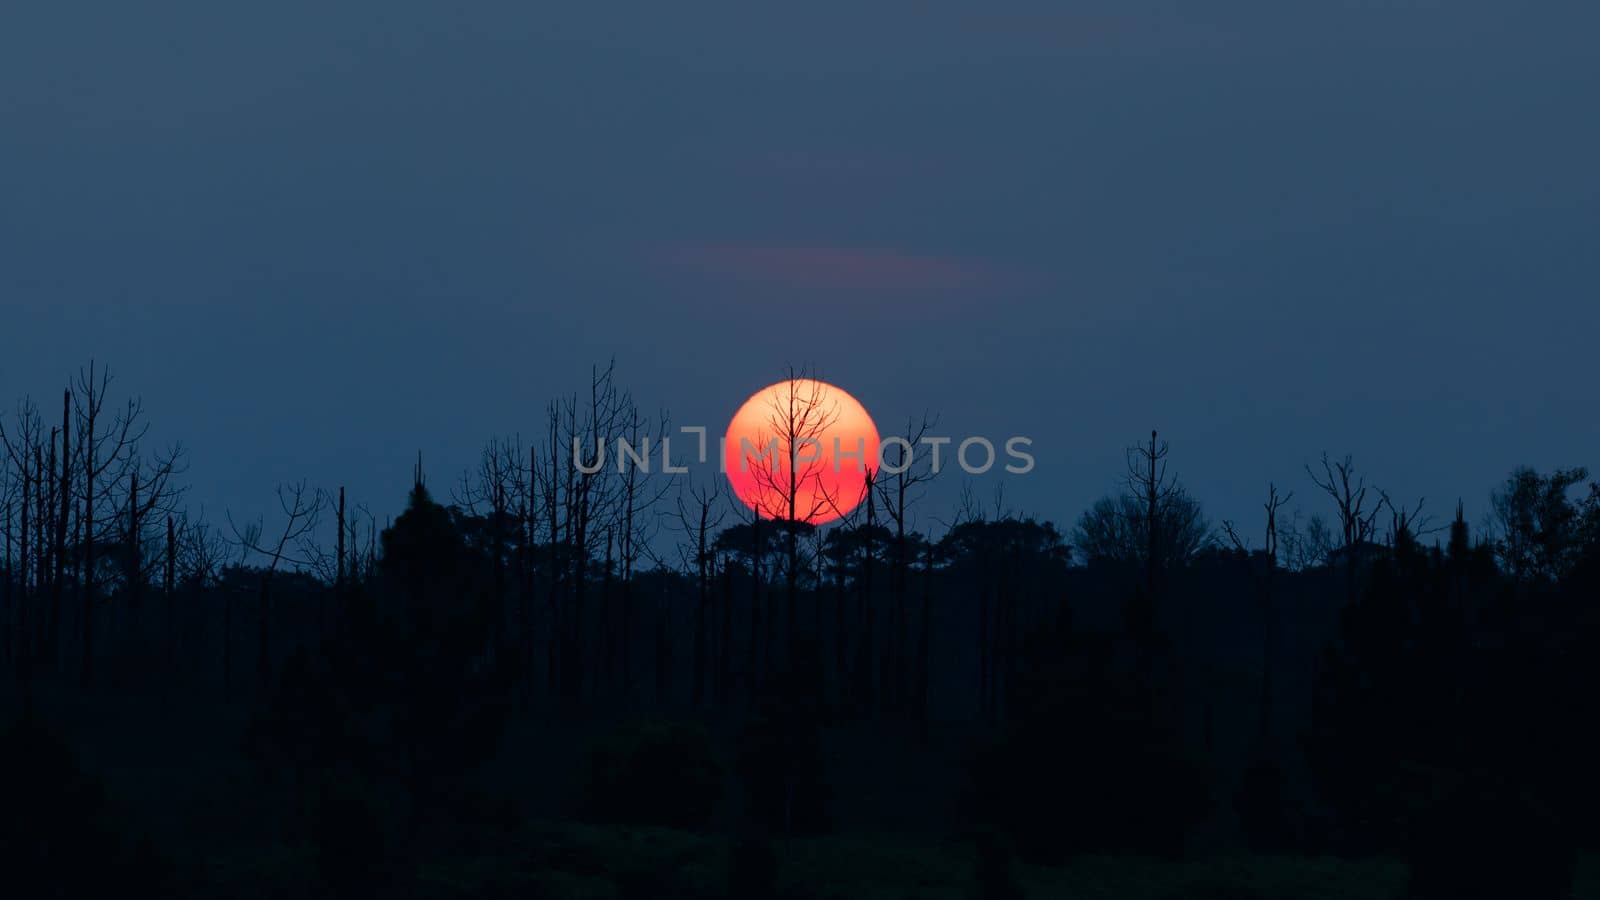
(318, 238)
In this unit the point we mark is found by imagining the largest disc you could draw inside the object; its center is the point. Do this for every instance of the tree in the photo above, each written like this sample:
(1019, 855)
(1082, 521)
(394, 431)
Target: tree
(1007, 560)
(1357, 523)
(1264, 575)
(587, 427)
(1259, 799)
(635, 528)
(899, 486)
(488, 492)
(1539, 527)
(301, 508)
(700, 512)
(1154, 524)
(21, 446)
(792, 487)
(90, 497)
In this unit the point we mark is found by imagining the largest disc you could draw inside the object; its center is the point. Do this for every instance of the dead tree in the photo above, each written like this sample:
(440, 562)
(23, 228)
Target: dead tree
(21, 445)
(724, 687)
(530, 488)
(1406, 524)
(168, 582)
(339, 549)
(301, 508)
(587, 429)
(899, 486)
(549, 479)
(121, 490)
(488, 492)
(864, 603)
(1156, 494)
(700, 512)
(63, 495)
(800, 414)
(636, 496)
(1357, 524)
(1263, 580)
(7, 626)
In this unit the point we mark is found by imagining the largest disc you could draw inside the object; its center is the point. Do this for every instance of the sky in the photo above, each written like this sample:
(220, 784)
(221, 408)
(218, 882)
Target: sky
(318, 238)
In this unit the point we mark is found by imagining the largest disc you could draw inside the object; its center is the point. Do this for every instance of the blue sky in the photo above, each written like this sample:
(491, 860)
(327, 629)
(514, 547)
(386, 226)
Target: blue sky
(318, 239)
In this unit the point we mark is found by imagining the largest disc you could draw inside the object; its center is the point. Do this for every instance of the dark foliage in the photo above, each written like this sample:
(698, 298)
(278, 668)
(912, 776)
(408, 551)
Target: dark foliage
(780, 753)
(377, 733)
(1445, 728)
(653, 772)
(1361, 694)
(58, 837)
(1093, 760)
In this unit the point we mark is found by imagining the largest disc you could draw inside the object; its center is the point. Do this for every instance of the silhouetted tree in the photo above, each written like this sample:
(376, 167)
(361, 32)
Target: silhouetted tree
(1357, 522)
(899, 486)
(1154, 524)
(700, 512)
(790, 485)
(1539, 526)
(301, 509)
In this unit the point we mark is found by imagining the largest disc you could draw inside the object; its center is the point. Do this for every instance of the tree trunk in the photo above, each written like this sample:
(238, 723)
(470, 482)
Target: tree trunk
(167, 586)
(23, 641)
(725, 646)
(608, 636)
(924, 643)
(700, 613)
(264, 648)
(90, 539)
(58, 586)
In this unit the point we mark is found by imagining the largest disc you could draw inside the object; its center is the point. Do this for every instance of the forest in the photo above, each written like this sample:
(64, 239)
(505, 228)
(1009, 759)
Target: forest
(539, 680)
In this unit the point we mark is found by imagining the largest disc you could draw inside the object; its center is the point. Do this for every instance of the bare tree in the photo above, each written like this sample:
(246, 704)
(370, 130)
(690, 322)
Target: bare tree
(793, 488)
(21, 445)
(899, 486)
(63, 496)
(1153, 524)
(700, 512)
(589, 492)
(1306, 546)
(635, 527)
(1173, 529)
(1263, 577)
(548, 478)
(301, 509)
(8, 497)
(201, 553)
(1406, 524)
(489, 492)
(122, 491)
(1357, 522)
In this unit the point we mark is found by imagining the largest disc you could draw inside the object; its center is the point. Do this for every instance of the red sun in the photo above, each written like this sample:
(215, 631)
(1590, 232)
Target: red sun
(802, 450)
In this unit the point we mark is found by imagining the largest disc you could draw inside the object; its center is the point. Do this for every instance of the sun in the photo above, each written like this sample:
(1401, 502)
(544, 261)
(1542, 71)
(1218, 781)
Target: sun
(802, 450)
